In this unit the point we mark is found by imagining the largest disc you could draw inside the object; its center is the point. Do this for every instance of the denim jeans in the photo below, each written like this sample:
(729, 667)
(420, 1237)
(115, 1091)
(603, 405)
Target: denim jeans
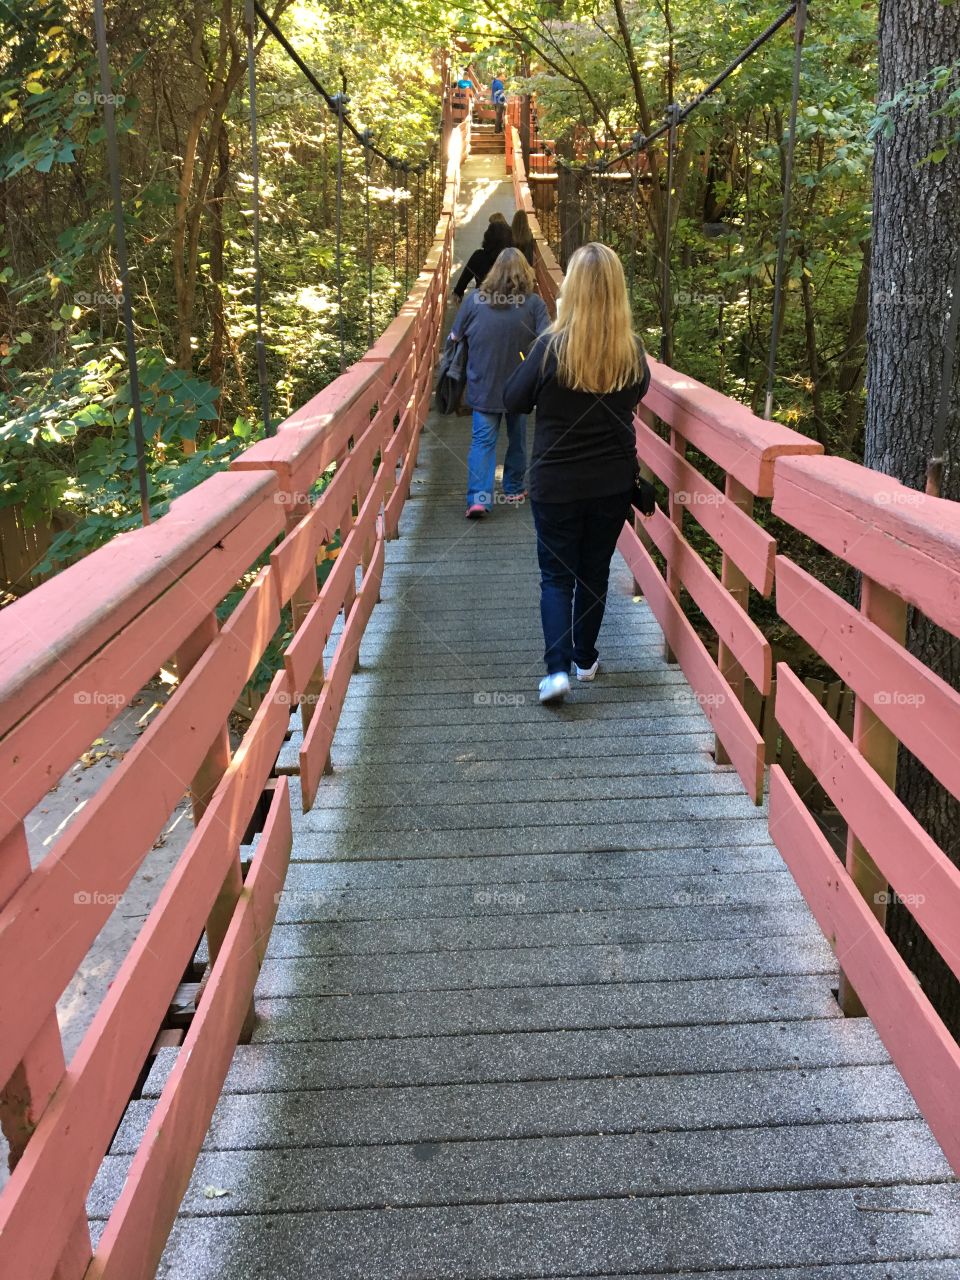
(575, 544)
(482, 460)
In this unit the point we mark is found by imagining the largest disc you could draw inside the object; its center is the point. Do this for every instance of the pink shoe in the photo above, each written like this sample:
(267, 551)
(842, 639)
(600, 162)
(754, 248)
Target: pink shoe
(476, 512)
(516, 497)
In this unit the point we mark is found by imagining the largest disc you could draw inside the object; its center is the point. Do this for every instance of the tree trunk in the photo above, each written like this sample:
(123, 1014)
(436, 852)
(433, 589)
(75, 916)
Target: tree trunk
(850, 377)
(217, 316)
(916, 237)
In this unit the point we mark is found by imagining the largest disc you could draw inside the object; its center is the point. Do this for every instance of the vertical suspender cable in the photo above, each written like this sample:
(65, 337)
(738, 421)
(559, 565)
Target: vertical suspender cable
(113, 159)
(406, 230)
(634, 220)
(367, 159)
(419, 216)
(340, 99)
(393, 233)
(250, 19)
(666, 302)
(799, 31)
(935, 465)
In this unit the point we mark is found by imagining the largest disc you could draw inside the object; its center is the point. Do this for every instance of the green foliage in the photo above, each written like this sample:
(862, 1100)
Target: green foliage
(67, 451)
(938, 92)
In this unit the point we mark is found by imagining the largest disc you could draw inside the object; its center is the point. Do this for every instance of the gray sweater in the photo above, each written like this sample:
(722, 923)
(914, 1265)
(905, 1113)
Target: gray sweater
(498, 337)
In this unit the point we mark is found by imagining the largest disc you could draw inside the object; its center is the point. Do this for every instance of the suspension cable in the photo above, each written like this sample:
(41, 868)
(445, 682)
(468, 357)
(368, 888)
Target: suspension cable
(666, 301)
(799, 31)
(329, 99)
(113, 160)
(641, 142)
(406, 229)
(250, 23)
(369, 238)
(393, 239)
(340, 100)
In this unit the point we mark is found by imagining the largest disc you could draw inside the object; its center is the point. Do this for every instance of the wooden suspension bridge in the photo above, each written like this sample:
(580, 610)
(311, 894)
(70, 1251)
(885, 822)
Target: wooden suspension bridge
(518, 992)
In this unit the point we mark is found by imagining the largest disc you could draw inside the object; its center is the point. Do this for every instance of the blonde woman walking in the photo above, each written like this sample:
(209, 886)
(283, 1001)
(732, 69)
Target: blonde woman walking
(585, 376)
(500, 321)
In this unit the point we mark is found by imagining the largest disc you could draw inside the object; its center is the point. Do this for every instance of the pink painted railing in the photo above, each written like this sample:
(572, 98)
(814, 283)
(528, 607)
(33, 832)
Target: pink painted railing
(906, 547)
(73, 653)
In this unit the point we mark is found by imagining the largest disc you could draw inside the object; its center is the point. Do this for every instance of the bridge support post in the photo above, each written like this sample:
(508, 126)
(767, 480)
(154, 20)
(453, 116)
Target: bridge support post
(24, 1097)
(677, 501)
(215, 763)
(738, 585)
(879, 748)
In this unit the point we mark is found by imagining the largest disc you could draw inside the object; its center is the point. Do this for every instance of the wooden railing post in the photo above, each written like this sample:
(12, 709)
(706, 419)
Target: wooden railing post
(675, 506)
(212, 768)
(738, 585)
(24, 1097)
(879, 747)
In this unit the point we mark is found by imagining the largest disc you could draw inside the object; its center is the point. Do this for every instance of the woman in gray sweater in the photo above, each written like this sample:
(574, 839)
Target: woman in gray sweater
(500, 322)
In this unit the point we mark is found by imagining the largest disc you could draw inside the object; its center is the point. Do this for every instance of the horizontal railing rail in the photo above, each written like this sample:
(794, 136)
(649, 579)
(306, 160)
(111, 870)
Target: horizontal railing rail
(73, 654)
(905, 546)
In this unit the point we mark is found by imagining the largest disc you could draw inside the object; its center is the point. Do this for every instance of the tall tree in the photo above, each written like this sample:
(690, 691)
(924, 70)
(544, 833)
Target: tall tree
(916, 237)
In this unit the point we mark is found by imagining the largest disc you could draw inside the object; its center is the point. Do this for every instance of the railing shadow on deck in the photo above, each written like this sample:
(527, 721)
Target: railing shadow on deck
(906, 547)
(74, 653)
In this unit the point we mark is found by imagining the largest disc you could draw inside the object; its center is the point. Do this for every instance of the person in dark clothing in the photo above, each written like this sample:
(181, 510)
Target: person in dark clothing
(585, 375)
(522, 235)
(500, 322)
(496, 238)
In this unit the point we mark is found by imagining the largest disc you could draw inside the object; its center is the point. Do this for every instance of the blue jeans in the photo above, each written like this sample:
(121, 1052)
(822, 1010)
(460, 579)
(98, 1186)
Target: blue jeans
(482, 460)
(575, 544)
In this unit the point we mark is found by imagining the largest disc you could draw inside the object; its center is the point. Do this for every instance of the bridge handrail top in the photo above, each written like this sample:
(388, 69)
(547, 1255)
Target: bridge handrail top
(304, 434)
(65, 620)
(927, 523)
(765, 439)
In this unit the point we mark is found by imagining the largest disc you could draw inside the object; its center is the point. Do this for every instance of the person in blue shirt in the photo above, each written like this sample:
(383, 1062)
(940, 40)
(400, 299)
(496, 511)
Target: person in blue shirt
(499, 99)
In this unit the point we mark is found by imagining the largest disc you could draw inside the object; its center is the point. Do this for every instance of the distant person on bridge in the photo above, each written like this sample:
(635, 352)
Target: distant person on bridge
(499, 99)
(500, 322)
(585, 377)
(463, 95)
(496, 238)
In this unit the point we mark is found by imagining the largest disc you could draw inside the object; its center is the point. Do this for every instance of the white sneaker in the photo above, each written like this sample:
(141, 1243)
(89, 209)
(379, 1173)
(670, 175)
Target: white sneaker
(554, 688)
(587, 673)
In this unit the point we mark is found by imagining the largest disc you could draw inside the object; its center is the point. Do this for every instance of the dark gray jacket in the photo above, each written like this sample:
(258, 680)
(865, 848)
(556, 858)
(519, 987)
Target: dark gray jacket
(498, 338)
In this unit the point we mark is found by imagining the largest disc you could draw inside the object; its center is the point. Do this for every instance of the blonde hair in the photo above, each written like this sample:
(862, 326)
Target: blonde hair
(592, 337)
(510, 277)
